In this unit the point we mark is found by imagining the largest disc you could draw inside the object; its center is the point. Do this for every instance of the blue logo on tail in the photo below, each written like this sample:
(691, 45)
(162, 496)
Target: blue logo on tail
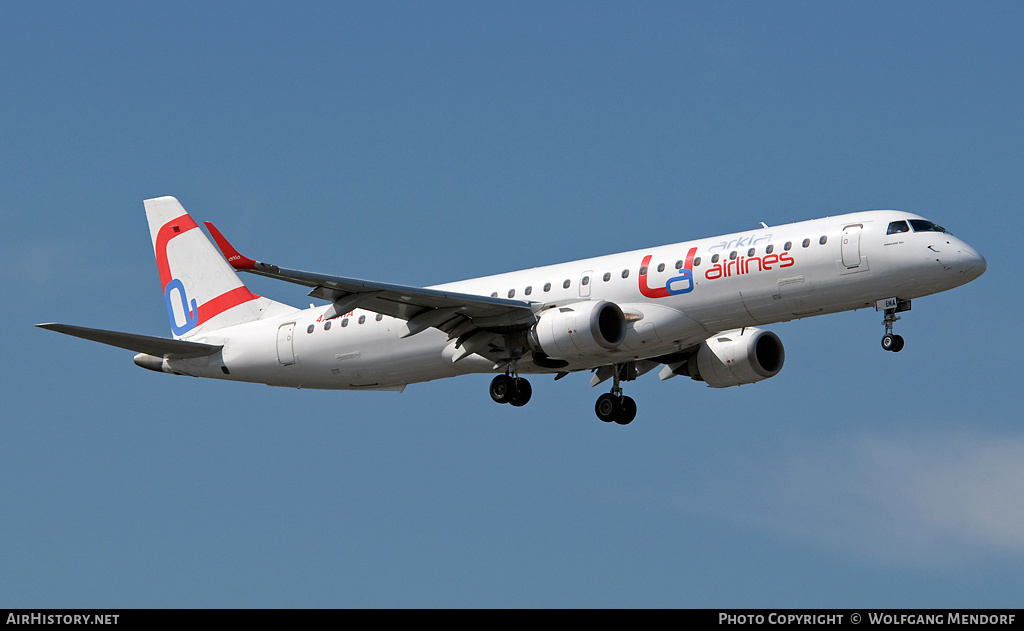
(191, 315)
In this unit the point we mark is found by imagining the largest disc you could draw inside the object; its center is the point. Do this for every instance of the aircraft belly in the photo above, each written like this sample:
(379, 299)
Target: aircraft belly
(374, 358)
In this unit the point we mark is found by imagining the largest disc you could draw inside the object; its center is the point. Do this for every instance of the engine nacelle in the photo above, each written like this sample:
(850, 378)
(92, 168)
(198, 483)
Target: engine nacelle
(737, 357)
(579, 329)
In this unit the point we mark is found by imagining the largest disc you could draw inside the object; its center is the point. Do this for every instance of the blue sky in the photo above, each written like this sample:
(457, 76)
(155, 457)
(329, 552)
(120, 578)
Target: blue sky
(421, 143)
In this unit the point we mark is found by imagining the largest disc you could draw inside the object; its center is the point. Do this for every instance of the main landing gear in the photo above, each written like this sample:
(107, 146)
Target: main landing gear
(611, 407)
(614, 406)
(513, 390)
(891, 341)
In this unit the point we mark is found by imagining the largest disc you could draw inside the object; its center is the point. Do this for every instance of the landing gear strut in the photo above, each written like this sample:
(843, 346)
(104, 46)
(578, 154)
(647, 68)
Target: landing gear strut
(614, 406)
(515, 391)
(891, 341)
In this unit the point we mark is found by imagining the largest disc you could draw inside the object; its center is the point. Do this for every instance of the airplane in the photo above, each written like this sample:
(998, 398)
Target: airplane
(693, 309)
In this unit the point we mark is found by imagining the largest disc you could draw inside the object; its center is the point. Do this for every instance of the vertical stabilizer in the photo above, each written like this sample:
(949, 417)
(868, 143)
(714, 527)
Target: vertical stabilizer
(201, 291)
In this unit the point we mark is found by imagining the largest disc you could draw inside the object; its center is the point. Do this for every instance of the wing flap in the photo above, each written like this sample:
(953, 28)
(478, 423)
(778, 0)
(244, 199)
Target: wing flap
(156, 346)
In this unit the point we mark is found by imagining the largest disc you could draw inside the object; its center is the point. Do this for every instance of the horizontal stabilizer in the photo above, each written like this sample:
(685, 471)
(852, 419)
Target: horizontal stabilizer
(156, 346)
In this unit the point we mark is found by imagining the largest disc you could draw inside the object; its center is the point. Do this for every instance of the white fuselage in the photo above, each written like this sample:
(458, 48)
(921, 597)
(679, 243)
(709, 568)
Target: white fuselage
(745, 279)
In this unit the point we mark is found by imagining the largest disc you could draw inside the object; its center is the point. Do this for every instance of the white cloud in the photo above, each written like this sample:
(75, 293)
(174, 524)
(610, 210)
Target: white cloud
(920, 500)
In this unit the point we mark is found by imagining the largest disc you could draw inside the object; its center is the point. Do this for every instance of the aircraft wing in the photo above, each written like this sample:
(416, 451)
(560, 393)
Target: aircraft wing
(452, 312)
(156, 346)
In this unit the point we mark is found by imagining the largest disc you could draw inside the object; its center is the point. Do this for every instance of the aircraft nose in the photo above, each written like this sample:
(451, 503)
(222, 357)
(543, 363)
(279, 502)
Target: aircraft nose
(972, 262)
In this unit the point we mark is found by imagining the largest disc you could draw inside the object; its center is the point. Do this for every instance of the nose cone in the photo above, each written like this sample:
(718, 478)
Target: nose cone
(972, 263)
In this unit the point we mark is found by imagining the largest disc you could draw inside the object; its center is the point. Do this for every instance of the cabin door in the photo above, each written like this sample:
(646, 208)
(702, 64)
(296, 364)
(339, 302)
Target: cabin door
(851, 246)
(285, 350)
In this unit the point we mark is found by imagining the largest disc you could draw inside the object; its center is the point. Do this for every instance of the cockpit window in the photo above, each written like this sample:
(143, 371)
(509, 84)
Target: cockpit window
(922, 225)
(898, 226)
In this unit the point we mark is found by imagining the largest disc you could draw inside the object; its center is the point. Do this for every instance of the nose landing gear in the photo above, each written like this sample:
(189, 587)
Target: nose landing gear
(891, 341)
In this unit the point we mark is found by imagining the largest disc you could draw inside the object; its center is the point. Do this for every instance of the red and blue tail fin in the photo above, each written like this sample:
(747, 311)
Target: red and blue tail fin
(201, 290)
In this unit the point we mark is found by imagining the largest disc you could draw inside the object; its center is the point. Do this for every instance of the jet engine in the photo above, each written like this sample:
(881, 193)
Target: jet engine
(734, 358)
(578, 329)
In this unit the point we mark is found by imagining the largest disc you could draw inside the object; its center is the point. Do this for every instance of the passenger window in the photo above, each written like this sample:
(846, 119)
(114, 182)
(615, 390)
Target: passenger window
(897, 227)
(494, 294)
(732, 255)
(362, 319)
(309, 329)
(607, 276)
(679, 265)
(714, 259)
(565, 285)
(769, 249)
(585, 281)
(547, 286)
(344, 322)
(511, 293)
(528, 291)
(625, 273)
(807, 243)
(643, 271)
(696, 262)
(380, 316)
(788, 246)
(750, 252)
(661, 267)
(327, 325)
(823, 240)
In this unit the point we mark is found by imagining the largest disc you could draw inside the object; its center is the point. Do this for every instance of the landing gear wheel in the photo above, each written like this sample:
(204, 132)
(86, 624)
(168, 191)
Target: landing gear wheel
(608, 407)
(521, 392)
(892, 342)
(502, 389)
(888, 341)
(627, 411)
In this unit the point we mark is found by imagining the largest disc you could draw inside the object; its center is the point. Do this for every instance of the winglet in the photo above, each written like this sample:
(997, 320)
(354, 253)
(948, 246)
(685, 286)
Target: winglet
(236, 260)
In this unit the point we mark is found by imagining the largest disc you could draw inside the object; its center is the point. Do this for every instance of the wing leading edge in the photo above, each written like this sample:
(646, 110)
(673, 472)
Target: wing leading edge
(452, 312)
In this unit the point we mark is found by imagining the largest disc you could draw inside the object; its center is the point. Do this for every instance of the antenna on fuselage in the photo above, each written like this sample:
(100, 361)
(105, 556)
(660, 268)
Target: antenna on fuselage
(764, 225)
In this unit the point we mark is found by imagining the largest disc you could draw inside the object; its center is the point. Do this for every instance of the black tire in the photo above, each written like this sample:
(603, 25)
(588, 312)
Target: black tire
(627, 411)
(607, 407)
(502, 388)
(522, 391)
(898, 344)
(888, 341)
